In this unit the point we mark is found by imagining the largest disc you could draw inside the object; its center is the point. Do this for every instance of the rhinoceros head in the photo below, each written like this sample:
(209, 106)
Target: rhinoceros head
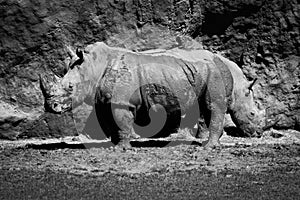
(244, 111)
(62, 94)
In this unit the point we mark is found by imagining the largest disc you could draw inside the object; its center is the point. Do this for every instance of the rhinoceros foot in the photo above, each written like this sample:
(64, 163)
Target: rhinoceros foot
(202, 134)
(210, 145)
(133, 135)
(123, 145)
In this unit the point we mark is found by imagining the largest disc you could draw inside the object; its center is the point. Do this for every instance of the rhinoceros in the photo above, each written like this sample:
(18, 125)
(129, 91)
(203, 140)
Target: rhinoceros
(124, 85)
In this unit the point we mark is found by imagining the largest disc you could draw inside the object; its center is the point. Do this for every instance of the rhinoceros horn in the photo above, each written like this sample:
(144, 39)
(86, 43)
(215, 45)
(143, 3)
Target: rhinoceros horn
(43, 86)
(272, 124)
(271, 120)
(47, 82)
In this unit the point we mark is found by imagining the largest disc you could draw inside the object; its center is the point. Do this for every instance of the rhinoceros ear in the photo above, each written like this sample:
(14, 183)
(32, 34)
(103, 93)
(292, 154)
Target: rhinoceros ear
(71, 53)
(79, 53)
(252, 84)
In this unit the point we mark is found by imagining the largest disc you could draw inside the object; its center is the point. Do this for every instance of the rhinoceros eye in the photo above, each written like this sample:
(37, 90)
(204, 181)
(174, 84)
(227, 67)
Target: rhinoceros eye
(247, 93)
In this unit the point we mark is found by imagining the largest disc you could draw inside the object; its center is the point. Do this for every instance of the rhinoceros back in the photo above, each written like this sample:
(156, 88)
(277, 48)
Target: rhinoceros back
(162, 79)
(203, 56)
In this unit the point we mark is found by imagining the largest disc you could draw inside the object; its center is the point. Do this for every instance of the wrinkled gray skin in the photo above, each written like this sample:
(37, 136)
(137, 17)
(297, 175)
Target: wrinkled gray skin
(127, 83)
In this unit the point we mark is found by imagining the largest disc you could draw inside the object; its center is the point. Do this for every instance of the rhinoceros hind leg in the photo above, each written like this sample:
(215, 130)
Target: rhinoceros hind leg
(216, 99)
(202, 133)
(124, 119)
(202, 130)
(216, 124)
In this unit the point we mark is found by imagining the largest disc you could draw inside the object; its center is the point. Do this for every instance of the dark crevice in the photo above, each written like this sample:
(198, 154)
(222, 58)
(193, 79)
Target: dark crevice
(216, 24)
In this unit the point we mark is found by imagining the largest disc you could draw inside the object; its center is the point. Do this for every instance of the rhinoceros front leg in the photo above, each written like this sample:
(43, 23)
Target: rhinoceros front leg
(124, 118)
(215, 126)
(216, 99)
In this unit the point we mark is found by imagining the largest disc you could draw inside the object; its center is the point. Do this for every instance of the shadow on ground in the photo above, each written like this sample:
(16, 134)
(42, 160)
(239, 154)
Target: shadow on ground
(108, 144)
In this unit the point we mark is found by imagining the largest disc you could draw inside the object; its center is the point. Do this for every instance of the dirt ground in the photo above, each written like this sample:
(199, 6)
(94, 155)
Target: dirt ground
(177, 167)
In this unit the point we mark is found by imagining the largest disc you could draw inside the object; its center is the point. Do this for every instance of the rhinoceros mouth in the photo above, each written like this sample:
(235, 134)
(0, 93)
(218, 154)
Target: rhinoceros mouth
(58, 104)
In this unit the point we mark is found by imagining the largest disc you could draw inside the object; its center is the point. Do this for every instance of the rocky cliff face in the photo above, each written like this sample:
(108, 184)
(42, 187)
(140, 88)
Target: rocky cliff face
(262, 36)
